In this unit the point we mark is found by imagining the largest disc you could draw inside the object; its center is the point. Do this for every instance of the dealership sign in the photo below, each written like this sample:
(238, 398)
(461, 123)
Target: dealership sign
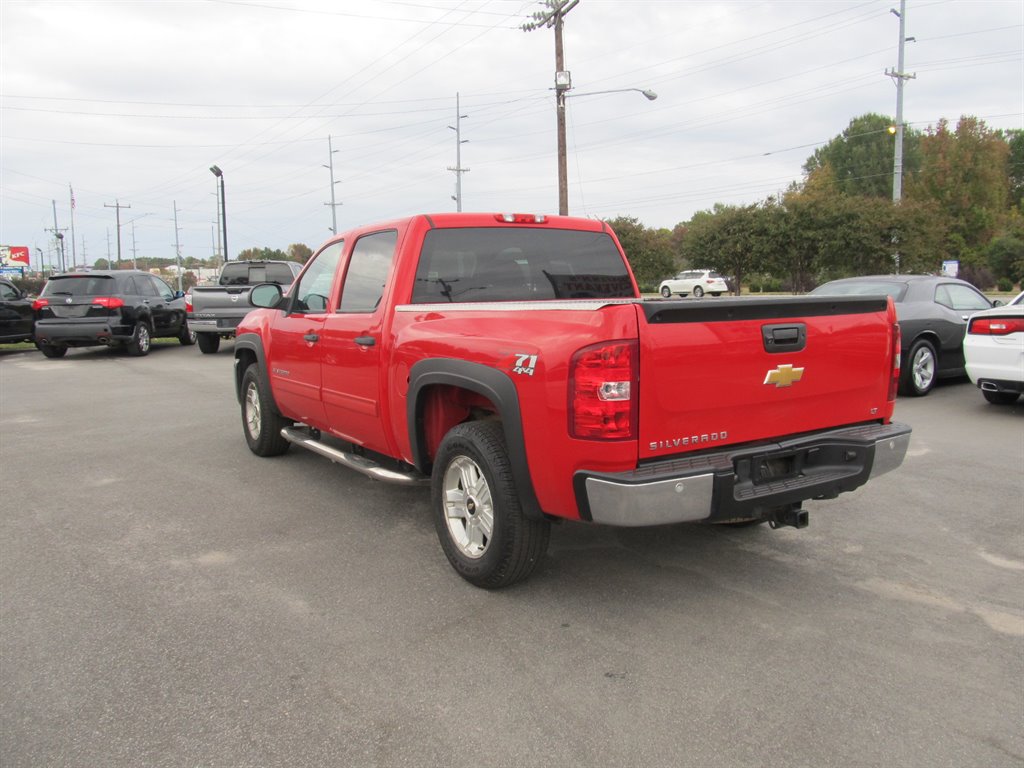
(14, 256)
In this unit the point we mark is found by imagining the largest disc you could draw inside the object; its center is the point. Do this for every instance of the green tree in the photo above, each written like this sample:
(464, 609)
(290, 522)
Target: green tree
(861, 157)
(649, 251)
(966, 173)
(265, 254)
(299, 252)
(1005, 257)
(724, 239)
(1015, 141)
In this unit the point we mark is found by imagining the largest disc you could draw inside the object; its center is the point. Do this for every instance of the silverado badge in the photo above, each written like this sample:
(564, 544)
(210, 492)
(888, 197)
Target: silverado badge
(784, 376)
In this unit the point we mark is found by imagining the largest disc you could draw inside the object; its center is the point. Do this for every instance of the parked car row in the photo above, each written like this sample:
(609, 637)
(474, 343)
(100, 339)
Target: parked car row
(948, 327)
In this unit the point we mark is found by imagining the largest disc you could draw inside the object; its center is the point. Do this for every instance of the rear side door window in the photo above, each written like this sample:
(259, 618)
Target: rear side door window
(367, 272)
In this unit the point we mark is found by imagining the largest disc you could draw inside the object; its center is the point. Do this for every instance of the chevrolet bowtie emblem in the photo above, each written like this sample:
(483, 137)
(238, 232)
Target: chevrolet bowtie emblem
(784, 376)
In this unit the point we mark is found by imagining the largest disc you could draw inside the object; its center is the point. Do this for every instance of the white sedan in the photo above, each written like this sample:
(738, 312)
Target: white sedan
(695, 281)
(994, 352)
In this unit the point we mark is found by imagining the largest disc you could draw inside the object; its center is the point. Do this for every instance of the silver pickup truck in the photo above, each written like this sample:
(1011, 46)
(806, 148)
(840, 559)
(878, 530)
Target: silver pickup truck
(214, 311)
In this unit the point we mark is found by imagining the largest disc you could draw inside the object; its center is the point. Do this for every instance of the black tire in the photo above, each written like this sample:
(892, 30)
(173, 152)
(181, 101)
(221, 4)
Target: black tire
(698, 292)
(209, 343)
(261, 422)
(140, 342)
(186, 337)
(918, 376)
(52, 350)
(666, 292)
(472, 479)
(716, 294)
(1001, 398)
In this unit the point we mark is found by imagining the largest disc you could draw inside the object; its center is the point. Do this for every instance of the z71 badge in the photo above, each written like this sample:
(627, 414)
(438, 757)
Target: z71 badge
(525, 364)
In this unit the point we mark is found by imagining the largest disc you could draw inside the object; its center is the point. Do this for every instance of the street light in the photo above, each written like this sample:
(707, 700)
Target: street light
(563, 82)
(223, 208)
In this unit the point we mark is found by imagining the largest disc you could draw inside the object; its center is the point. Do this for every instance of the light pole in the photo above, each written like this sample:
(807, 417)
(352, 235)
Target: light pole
(223, 209)
(562, 94)
(334, 206)
(459, 141)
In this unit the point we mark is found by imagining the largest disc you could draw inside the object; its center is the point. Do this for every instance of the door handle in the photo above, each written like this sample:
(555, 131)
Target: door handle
(312, 338)
(365, 341)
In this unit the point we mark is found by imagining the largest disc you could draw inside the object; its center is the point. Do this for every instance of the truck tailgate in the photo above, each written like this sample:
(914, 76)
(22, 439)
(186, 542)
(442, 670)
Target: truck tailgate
(727, 371)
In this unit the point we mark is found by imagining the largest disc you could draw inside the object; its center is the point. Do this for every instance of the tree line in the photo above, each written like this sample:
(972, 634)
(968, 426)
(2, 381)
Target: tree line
(961, 201)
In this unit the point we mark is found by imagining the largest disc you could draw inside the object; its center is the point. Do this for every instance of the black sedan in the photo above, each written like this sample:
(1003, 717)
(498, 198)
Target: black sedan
(932, 313)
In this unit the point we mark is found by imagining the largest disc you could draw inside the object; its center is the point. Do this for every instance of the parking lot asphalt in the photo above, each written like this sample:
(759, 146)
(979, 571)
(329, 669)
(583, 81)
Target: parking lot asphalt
(169, 599)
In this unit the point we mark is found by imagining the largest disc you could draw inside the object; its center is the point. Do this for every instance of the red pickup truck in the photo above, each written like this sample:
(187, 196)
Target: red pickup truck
(509, 361)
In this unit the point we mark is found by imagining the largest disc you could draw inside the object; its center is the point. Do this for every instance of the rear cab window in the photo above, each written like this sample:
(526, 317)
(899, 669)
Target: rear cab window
(476, 264)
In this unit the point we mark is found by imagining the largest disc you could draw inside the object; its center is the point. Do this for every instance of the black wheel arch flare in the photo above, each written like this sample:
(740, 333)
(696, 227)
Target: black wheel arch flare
(488, 382)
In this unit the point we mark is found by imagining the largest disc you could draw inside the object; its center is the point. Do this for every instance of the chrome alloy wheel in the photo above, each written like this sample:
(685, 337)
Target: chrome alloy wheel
(253, 413)
(469, 508)
(143, 340)
(922, 368)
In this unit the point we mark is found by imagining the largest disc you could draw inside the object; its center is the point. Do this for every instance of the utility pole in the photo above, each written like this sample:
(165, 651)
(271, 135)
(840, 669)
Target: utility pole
(58, 233)
(899, 76)
(177, 245)
(117, 208)
(557, 9)
(74, 259)
(135, 261)
(334, 205)
(459, 141)
(109, 265)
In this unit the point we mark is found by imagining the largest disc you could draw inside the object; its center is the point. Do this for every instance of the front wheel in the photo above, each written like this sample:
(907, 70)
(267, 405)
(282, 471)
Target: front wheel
(480, 522)
(918, 377)
(140, 341)
(1000, 398)
(261, 422)
(666, 292)
(208, 342)
(698, 292)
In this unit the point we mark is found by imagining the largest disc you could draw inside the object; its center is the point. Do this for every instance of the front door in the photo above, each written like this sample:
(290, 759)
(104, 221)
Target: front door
(352, 341)
(296, 341)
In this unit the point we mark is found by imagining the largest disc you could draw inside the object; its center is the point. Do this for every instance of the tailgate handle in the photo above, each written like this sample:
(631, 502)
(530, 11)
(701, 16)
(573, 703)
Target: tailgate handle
(784, 337)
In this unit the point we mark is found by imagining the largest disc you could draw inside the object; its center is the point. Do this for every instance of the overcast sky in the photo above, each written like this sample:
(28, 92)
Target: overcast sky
(131, 102)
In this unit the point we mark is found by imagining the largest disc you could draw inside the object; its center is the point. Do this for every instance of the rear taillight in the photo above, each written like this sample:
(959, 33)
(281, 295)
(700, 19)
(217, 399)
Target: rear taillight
(188, 302)
(996, 326)
(603, 391)
(40, 303)
(894, 378)
(110, 302)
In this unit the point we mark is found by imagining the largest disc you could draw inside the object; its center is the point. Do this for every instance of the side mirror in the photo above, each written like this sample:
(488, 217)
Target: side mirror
(179, 294)
(266, 295)
(997, 303)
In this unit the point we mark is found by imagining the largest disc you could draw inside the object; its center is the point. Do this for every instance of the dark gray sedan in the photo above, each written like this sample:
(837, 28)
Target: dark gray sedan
(932, 313)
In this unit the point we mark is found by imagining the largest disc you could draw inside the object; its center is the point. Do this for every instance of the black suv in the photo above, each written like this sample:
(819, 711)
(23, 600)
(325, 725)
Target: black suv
(124, 308)
(15, 313)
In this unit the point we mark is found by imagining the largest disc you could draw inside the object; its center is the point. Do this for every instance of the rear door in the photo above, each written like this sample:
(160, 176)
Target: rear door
(353, 342)
(740, 370)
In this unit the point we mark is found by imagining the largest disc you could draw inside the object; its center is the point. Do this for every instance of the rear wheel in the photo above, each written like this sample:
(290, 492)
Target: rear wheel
(261, 423)
(666, 292)
(186, 337)
(52, 350)
(918, 377)
(698, 292)
(480, 522)
(1001, 398)
(140, 341)
(208, 342)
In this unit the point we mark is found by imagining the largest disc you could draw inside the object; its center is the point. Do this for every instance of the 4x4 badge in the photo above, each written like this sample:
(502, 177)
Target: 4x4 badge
(784, 376)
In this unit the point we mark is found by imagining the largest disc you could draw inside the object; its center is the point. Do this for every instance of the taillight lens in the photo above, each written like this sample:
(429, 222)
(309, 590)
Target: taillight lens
(110, 302)
(40, 303)
(894, 379)
(996, 326)
(520, 218)
(603, 391)
(188, 302)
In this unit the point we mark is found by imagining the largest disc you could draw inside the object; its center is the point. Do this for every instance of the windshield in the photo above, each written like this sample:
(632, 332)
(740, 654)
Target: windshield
(74, 285)
(521, 264)
(893, 288)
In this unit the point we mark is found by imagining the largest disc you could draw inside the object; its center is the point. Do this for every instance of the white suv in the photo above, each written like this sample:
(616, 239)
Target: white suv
(695, 281)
